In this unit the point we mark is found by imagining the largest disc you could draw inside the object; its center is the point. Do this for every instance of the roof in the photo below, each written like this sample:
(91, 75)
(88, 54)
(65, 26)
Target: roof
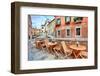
(50, 22)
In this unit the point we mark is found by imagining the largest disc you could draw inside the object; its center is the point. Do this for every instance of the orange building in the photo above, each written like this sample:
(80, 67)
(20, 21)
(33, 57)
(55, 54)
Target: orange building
(71, 27)
(36, 32)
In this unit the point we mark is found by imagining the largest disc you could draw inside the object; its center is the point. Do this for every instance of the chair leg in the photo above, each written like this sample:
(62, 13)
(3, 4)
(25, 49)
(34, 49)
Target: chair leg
(55, 52)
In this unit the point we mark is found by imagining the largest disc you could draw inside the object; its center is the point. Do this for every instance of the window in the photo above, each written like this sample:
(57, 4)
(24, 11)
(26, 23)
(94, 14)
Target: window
(28, 37)
(78, 19)
(68, 32)
(33, 36)
(58, 21)
(42, 28)
(67, 19)
(58, 32)
(77, 31)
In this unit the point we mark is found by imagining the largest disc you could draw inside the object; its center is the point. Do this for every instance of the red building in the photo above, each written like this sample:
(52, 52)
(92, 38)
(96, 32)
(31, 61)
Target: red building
(71, 27)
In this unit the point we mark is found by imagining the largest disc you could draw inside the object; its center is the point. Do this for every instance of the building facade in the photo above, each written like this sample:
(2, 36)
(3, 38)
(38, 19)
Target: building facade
(50, 28)
(36, 32)
(71, 28)
(29, 27)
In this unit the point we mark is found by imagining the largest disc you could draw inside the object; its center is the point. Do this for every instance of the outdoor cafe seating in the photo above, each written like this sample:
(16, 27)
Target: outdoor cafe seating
(62, 49)
(38, 44)
(78, 50)
(58, 50)
(66, 50)
(83, 54)
(45, 44)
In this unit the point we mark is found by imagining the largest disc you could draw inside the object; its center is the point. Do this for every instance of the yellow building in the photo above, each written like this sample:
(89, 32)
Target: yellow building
(50, 28)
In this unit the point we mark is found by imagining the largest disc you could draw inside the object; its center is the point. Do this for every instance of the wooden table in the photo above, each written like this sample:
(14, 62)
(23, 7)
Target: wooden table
(51, 43)
(77, 49)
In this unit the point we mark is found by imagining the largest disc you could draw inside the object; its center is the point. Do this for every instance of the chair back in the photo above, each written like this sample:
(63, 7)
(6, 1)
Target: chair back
(46, 42)
(65, 48)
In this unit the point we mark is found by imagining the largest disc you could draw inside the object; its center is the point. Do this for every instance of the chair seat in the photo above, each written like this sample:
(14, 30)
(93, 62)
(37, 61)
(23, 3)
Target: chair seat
(57, 48)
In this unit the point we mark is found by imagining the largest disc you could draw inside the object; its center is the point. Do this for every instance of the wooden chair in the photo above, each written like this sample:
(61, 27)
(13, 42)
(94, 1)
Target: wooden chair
(83, 54)
(37, 44)
(45, 45)
(58, 50)
(66, 50)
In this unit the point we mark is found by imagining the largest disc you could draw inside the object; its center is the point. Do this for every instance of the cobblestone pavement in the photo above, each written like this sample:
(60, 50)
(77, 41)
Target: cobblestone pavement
(37, 54)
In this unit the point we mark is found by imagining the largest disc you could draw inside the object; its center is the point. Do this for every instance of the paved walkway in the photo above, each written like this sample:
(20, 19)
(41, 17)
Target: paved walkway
(37, 54)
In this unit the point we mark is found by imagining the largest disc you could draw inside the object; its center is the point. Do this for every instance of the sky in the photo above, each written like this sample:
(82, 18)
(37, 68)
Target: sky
(38, 20)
